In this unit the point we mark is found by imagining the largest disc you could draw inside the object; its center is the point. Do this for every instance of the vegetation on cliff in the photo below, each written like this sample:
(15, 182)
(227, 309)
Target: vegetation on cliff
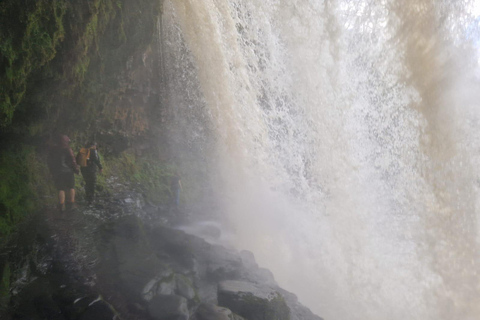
(22, 185)
(86, 69)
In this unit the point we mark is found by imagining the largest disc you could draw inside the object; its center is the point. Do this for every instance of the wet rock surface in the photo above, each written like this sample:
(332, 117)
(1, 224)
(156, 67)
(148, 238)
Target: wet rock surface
(126, 260)
(168, 307)
(252, 301)
(208, 311)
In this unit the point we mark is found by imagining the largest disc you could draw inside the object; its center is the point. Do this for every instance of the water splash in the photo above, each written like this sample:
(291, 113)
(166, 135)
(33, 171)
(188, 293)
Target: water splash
(340, 138)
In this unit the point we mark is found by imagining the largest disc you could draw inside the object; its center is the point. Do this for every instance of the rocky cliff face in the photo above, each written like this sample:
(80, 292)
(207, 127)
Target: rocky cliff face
(72, 67)
(87, 69)
(129, 261)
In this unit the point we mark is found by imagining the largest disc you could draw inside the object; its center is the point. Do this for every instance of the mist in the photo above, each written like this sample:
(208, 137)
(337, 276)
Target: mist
(340, 142)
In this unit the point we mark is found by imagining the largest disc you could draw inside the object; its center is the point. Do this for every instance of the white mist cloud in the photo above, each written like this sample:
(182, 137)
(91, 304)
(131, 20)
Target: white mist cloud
(475, 8)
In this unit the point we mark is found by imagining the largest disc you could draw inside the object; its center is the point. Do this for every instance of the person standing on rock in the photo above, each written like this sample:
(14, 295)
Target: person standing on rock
(89, 161)
(62, 165)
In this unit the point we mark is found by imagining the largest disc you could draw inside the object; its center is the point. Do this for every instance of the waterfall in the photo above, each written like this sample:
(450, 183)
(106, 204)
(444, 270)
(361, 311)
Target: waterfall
(340, 141)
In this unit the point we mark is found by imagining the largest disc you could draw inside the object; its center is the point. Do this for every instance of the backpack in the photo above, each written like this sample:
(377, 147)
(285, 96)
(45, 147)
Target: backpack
(82, 157)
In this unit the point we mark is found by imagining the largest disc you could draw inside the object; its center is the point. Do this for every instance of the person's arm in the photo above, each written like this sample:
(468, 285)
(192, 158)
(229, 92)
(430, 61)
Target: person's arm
(96, 160)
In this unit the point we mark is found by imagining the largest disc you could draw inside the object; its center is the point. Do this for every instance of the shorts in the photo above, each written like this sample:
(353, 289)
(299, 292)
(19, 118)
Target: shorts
(64, 181)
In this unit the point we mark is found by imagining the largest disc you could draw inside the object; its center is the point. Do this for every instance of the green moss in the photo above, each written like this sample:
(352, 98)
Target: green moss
(22, 185)
(62, 60)
(147, 175)
(30, 37)
(81, 68)
(62, 66)
(5, 287)
(101, 14)
(25, 46)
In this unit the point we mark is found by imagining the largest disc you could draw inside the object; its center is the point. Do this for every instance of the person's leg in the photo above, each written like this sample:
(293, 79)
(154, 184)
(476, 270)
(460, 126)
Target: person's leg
(94, 183)
(89, 188)
(71, 199)
(86, 185)
(61, 196)
(57, 179)
(71, 195)
(70, 183)
(61, 200)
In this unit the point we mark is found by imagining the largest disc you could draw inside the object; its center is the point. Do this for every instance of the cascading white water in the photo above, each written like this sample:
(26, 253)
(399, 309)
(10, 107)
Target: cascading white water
(340, 138)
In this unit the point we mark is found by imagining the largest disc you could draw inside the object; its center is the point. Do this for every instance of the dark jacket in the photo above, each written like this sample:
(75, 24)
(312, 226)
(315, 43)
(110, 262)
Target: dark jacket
(93, 162)
(62, 160)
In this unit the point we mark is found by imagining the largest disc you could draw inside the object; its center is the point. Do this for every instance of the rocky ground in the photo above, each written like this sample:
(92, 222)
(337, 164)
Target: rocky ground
(124, 259)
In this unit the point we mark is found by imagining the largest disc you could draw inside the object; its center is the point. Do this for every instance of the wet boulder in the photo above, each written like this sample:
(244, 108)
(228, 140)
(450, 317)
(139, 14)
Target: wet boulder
(184, 287)
(297, 310)
(170, 284)
(208, 311)
(168, 307)
(126, 257)
(98, 309)
(252, 301)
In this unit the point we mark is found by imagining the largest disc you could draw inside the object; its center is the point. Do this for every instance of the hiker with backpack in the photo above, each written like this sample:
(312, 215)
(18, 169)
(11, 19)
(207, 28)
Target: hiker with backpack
(89, 160)
(62, 165)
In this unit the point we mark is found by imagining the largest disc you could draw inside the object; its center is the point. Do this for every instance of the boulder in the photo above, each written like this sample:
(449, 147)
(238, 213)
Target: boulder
(126, 257)
(297, 310)
(167, 287)
(184, 287)
(164, 284)
(169, 284)
(208, 311)
(168, 307)
(252, 301)
(36, 301)
(98, 309)
(255, 273)
(248, 259)
(223, 264)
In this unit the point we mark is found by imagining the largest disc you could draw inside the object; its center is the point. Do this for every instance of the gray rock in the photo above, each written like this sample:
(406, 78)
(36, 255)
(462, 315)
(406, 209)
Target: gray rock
(126, 256)
(184, 287)
(248, 259)
(265, 276)
(252, 301)
(98, 309)
(150, 263)
(297, 310)
(150, 289)
(208, 311)
(167, 286)
(223, 264)
(168, 307)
